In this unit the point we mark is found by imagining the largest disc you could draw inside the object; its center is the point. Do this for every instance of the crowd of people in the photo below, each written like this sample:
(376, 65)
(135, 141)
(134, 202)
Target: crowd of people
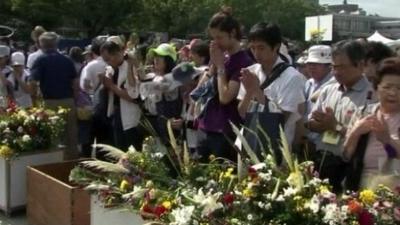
(338, 105)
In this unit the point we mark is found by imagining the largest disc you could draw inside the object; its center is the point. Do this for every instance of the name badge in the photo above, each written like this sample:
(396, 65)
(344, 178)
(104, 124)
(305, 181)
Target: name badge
(331, 137)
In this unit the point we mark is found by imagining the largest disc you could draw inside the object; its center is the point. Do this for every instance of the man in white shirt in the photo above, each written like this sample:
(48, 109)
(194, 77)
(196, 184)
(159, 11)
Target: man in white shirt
(123, 93)
(285, 94)
(89, 80)
(37, 31)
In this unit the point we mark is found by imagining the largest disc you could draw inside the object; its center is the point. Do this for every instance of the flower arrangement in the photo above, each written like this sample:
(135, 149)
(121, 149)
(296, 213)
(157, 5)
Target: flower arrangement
(177, 190)
(26, 130)
(316, 35)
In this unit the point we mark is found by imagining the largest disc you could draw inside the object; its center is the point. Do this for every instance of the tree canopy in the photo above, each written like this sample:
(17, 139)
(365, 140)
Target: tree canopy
(88, 18)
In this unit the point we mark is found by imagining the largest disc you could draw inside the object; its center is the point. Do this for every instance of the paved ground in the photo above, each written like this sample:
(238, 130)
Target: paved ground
(16, 219)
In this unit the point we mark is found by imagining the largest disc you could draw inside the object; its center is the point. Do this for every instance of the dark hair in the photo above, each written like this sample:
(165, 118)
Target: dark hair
(202, 49)
(169, 63)
(141, 51)
(354, 50)
(111, 47)
(96, 44)
(387, 66)
(377, 51)
(75, 53)
(224, 21)
(267, 32)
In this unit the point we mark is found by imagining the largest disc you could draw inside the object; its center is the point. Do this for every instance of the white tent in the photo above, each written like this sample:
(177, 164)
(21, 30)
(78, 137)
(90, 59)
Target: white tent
(379, 38)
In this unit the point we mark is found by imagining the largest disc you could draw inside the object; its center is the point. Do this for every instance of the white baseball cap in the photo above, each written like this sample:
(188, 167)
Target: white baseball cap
(319, 54)
(4, 51)
(18, 59)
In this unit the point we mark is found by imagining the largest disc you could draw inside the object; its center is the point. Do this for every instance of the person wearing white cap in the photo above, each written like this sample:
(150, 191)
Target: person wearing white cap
(19, 80)
(318, 65)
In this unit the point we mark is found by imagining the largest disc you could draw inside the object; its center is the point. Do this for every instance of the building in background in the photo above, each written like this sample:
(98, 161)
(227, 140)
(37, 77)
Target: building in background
(351, 21)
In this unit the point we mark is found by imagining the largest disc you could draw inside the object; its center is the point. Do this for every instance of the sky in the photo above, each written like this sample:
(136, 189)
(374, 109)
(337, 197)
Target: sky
(389, 8)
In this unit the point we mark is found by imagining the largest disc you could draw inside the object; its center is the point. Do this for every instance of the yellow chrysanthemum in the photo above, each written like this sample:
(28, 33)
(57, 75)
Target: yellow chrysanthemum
(6, 152)
(248, 193)
(367, 197)
(167, 204)
(124, 186)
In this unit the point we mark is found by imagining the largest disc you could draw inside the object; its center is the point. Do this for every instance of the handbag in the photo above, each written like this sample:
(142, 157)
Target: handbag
(262, 124)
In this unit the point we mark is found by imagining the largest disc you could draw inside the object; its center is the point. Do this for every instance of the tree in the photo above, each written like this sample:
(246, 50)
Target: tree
(91, 16)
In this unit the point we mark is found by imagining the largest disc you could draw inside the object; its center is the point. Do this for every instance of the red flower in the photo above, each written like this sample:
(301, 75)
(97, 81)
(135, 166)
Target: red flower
(355, 207)
(32, 131)
(252, 172)
(365, 218)
(147, 209)
(228, 198)
(159, 210)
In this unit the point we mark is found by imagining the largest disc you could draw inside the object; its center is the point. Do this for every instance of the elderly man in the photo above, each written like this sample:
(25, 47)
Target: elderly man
(335, 106)
(59, 84)
(318, 64)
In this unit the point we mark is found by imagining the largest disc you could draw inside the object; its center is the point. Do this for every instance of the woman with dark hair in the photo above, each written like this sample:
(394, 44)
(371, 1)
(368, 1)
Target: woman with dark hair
(372, 141)
(226, 60)
(161, 105)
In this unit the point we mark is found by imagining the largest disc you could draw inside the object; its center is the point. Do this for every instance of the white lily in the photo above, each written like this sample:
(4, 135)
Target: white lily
(182, 215)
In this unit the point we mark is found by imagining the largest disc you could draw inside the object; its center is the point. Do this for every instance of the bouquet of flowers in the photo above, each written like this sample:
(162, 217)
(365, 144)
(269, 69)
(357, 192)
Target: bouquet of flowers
(167, 187)
(26, 130)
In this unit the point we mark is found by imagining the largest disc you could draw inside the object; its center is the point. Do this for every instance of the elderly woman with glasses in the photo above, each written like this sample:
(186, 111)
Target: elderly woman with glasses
(372, 142)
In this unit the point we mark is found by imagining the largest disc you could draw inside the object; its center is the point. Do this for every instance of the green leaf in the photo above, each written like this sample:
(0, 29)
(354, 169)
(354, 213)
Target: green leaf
(253, 157)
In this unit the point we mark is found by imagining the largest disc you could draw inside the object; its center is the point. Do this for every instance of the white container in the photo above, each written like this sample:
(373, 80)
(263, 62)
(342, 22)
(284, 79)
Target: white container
(13, 177)
(102, 216)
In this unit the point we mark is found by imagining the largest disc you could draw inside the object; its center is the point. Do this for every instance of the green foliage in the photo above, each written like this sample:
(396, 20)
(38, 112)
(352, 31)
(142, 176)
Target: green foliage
(179, 18)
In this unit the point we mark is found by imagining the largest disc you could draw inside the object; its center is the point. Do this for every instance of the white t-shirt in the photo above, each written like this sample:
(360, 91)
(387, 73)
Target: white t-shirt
(22, 98)
(287, 92)
(90, 74)
(32, 58)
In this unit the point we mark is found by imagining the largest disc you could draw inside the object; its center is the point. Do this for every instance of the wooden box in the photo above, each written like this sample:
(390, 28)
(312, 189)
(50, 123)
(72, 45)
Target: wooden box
(102, 216)
(13, 177)
(52, 199)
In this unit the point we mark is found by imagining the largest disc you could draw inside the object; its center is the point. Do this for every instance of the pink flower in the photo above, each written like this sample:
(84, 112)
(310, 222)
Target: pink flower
(396, 213)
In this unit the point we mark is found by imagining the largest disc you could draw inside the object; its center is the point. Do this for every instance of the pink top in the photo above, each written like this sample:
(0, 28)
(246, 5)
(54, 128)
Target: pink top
(375, 149)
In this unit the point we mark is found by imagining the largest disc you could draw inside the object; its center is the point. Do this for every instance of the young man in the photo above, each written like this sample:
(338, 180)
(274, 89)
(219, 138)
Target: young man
(285, 92)
(226, 59)
(335, 107)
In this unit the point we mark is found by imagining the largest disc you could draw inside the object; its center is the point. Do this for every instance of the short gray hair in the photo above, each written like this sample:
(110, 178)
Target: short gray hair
(48, 40)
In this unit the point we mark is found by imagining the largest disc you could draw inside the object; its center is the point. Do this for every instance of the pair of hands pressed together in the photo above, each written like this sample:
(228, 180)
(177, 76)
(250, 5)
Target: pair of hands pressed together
(325, 119)
(375, 124)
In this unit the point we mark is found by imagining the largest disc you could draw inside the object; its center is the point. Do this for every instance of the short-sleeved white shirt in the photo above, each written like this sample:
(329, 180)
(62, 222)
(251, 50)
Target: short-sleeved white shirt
(90, 73)
(287, 92)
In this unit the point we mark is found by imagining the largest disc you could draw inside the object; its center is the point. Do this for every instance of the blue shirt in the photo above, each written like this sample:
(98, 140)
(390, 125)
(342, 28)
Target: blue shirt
(56, 73)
